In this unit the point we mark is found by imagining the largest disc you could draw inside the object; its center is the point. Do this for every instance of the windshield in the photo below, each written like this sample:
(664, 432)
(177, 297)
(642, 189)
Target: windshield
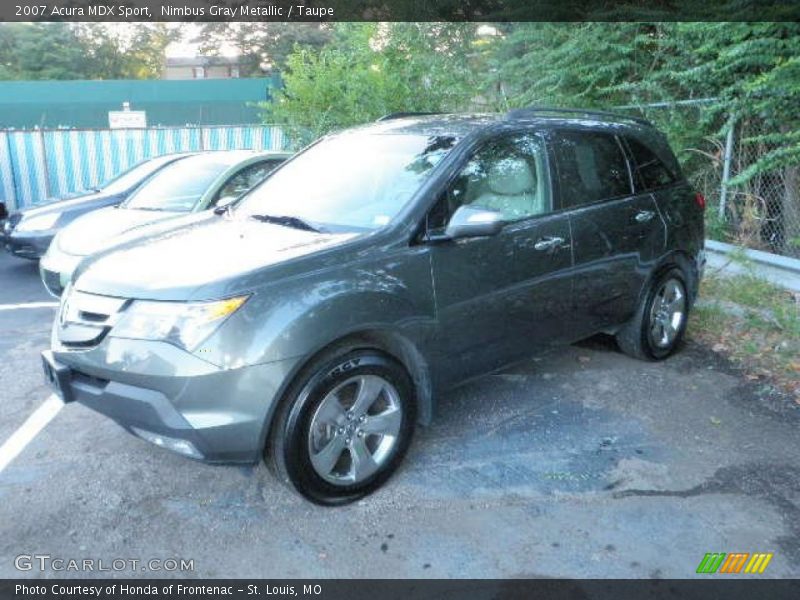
(179, 186)
(354, 181)
(136, 174)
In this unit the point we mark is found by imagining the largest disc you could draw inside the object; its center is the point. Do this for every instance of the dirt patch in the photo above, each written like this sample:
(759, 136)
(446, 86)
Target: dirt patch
(756, 327)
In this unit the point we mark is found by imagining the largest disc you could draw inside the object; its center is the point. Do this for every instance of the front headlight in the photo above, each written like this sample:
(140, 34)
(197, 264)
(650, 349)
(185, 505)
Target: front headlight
(39, 223)
(185, 324)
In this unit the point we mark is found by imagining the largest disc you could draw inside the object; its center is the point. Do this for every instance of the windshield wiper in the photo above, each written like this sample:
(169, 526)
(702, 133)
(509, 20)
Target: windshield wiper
(286, 221)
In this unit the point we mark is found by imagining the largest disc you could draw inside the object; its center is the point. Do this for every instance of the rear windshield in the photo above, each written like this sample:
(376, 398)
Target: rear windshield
(133, 176)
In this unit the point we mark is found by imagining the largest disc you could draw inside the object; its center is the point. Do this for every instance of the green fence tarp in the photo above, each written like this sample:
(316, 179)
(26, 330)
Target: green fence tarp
(85, 104)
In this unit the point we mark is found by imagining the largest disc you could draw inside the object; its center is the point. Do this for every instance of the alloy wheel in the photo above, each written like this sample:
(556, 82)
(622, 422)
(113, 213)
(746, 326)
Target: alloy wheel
(355, 429)
(667, 313)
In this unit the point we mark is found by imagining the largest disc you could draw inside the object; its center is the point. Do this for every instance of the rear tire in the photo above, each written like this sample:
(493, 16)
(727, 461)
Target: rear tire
(658, 326)
(343, 427)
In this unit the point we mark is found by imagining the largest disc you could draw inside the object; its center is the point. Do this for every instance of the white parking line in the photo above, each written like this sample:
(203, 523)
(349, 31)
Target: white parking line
(29, 429)
(29, 305)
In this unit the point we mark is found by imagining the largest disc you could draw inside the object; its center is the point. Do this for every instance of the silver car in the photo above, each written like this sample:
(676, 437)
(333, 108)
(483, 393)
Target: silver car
(191, 184)
(316, 321)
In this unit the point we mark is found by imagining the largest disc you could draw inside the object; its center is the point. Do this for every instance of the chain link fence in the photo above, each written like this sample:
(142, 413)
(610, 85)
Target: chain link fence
(763, 212)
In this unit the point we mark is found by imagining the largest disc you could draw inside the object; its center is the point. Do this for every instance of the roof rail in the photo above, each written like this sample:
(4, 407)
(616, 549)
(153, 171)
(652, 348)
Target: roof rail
(400, 115)
(533, 111)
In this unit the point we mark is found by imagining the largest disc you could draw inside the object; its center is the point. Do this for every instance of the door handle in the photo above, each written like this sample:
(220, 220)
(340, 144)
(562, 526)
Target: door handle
(548, 243)
(643, 216)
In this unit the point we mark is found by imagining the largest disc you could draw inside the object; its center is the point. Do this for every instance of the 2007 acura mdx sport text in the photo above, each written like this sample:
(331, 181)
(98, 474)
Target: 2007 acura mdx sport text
(316, 321)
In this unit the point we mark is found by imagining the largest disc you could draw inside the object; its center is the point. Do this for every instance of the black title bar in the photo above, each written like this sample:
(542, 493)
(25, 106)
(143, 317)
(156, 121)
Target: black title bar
(398, 10)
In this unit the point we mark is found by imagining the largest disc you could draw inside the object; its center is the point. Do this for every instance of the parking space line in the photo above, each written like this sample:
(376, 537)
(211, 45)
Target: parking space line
(29, 429)
(28, 305)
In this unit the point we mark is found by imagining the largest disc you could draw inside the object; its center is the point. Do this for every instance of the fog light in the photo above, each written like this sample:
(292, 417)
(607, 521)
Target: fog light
(184, 447)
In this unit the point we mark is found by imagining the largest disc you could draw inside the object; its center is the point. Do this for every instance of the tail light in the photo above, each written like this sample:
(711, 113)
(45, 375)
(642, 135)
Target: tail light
(701, 200)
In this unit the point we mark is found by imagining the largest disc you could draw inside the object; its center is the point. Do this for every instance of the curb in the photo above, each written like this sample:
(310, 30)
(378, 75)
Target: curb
(780, 270)
(765, 258)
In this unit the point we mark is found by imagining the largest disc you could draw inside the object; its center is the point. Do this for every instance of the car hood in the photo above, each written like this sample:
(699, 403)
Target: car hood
(102, 228)
(174, 264)
(69, 203)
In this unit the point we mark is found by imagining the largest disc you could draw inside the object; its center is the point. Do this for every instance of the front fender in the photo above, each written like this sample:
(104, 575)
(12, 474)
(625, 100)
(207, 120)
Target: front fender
(295, 318)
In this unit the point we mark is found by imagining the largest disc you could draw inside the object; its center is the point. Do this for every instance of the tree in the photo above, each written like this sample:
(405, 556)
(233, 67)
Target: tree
(82, 50)
(576, 64)
(41, 51)
(371, 69)
(257, 44)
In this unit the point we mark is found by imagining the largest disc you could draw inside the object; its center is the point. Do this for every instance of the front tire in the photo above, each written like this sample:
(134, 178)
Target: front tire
(344, 427)
(658, 327)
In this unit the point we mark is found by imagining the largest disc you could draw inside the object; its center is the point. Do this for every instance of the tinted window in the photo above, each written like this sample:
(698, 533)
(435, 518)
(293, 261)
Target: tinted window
(591, 166)
(246, 179)
(508, 176)
(650, 170)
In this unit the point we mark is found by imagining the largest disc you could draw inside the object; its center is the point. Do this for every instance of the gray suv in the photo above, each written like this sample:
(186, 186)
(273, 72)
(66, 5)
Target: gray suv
(316, 321)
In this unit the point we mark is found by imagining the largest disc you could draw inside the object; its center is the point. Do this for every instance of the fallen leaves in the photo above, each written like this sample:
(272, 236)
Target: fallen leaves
(765, 353)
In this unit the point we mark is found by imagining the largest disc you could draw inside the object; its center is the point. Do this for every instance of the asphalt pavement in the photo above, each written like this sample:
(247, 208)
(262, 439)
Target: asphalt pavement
(580, 463)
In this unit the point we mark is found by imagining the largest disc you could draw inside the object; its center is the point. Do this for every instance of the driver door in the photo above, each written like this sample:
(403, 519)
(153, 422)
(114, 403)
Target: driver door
(503, 297)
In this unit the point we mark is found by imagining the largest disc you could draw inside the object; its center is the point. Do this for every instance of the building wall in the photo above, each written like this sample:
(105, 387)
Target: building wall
(183, 73)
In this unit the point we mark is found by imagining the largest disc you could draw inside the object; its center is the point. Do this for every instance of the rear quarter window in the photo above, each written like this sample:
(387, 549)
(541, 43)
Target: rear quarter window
(650, 172)
(591, 167)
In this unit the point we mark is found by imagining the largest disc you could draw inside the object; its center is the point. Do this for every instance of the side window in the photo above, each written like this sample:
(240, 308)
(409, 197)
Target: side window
(591, 167)
(509, 175)
(649, 169)
(245, 179)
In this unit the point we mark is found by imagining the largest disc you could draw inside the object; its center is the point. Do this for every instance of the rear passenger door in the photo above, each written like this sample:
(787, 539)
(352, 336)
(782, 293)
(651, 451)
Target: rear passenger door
(617, 235)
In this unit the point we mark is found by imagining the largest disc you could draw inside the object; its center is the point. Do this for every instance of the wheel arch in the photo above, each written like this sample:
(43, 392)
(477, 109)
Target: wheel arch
(383, 340)
(675, 259)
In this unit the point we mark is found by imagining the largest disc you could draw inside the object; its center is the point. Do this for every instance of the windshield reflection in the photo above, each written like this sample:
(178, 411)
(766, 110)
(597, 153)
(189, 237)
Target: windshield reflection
(353, 181)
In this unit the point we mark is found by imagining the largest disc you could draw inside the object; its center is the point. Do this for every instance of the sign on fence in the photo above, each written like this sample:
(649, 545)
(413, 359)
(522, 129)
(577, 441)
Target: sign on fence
(127, 119)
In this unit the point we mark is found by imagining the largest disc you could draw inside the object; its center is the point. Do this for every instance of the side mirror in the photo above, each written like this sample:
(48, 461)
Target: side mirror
(225, 201)
(473, 221)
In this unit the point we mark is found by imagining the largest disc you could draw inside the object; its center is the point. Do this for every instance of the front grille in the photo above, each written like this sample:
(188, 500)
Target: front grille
(84, 319)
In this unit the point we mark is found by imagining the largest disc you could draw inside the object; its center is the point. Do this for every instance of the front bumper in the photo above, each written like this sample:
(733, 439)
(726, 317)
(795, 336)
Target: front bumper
(31, 245)
(174, 399)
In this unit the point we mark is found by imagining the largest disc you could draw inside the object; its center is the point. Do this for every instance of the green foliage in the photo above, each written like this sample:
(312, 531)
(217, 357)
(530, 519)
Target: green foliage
(372, 69)
(81, 51)
(753, 69)
(577, 64)
(262, 44)
(716, 228)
